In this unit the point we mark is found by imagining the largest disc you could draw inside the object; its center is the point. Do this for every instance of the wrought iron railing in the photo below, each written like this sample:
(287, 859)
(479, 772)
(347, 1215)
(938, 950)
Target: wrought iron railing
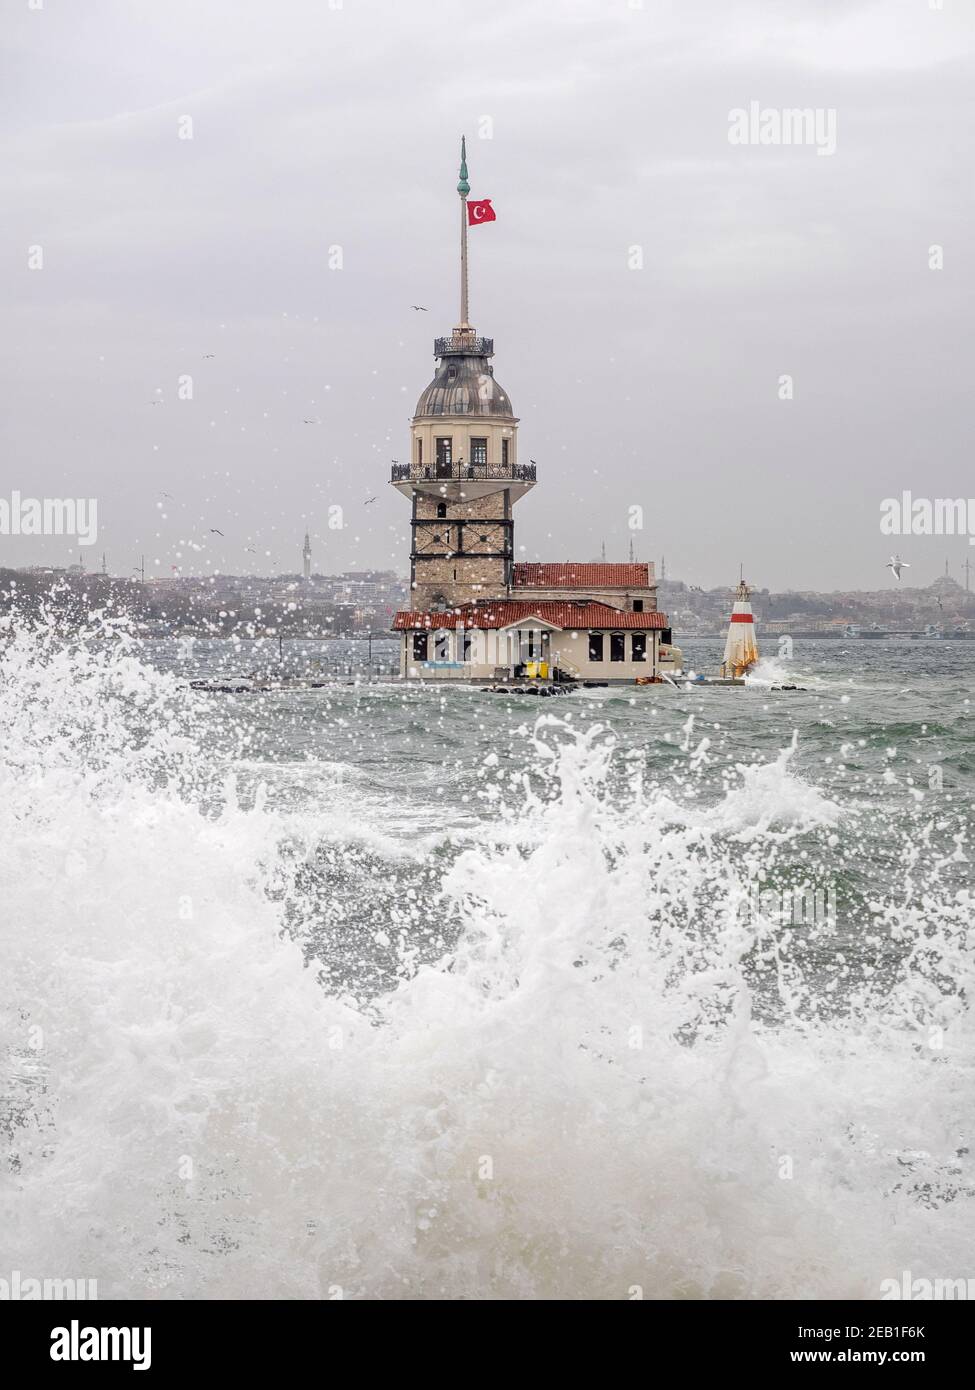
(461, 343)
(453, 472)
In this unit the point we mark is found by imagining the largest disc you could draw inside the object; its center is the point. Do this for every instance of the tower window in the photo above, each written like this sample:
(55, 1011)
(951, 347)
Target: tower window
(504, 451)
(595, 646)
(484, 538)
(419, 646)
(638, 605)
(617, 646)
(419, 452)
(479, 451)
(441, 509)
(444, 457)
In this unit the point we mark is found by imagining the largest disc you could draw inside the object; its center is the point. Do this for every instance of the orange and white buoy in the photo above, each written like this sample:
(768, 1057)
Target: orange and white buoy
(741, 648)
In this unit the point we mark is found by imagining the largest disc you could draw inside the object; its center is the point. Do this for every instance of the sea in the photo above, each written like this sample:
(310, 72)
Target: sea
(386, 991)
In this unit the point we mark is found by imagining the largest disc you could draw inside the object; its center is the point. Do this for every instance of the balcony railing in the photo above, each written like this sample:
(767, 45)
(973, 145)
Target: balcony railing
(459, 472)
(462, 344)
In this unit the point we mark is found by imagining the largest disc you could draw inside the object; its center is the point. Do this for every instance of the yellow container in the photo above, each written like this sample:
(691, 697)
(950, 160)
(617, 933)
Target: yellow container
(536, 670)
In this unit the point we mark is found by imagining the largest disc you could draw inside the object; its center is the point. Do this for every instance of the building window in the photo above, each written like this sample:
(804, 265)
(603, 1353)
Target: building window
(444, 457)
(419, 646)
(638, 605)
(595, 646)
(419, 452)
(479, 451)
(441, 509)
(504, 451)
(484, 538)
(468, 644)
(441, 645)
(639, 646)
(617, 646)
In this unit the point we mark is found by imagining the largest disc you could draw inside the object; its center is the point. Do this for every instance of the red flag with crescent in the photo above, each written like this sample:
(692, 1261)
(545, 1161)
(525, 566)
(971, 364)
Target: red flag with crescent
(480, 211)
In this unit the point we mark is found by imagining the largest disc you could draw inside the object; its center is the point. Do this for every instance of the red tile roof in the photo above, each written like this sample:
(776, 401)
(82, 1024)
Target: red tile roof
(581, 576)
(561, 613)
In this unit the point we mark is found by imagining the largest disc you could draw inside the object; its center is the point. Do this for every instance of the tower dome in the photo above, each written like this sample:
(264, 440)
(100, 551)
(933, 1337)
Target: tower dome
(464, 383)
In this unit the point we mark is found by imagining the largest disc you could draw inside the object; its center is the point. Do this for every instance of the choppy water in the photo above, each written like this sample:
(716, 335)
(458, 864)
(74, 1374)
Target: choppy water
(420, 993)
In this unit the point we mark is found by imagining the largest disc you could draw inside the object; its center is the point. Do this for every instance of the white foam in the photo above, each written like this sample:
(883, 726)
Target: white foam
(578, 1101)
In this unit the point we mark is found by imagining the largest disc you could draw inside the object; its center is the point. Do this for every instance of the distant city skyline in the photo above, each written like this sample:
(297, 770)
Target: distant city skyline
(220, 219)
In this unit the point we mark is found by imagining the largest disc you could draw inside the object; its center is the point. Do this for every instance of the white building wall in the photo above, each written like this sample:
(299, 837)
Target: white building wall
(491, 651)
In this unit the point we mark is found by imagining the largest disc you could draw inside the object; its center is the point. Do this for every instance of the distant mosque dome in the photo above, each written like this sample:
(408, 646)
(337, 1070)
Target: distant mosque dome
(464, 384)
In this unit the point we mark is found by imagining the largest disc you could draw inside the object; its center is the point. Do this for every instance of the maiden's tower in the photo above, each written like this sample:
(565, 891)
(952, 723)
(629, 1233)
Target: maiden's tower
(475, 614)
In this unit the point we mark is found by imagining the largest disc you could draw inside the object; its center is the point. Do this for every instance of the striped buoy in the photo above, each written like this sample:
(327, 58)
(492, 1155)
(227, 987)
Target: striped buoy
(741, 648)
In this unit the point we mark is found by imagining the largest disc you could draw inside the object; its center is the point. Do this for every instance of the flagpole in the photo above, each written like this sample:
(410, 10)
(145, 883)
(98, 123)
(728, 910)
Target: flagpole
(463, 188)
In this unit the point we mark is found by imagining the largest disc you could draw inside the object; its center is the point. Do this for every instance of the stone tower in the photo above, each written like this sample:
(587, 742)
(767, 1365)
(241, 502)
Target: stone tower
(463, 476)
(306, 557)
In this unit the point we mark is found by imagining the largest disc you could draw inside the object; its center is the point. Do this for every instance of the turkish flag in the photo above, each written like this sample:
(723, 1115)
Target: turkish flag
(480, 211)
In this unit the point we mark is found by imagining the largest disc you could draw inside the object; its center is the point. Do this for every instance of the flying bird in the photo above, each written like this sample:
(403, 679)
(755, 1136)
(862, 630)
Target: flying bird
(208, 354)
(215, 532)
(896, 564)
(421, 308)
(371, 499)
(311, 422)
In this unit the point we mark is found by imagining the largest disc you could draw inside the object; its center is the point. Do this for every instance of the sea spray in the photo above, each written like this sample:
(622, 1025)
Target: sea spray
(588, 1095)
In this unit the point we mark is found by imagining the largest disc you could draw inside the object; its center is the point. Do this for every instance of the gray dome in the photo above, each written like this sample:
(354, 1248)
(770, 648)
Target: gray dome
(464, 384)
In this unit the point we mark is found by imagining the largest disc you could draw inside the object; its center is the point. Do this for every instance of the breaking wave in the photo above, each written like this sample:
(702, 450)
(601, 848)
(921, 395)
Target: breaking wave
(588, 1069)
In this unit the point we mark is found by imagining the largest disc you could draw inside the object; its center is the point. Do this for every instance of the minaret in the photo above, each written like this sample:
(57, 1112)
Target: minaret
(306, 557)
(463, 476)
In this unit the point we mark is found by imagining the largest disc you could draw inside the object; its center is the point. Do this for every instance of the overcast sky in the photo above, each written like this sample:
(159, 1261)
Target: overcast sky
(316, 127)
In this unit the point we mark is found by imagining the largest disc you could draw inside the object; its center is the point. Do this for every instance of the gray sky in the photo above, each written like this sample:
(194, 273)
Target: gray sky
(658, 387)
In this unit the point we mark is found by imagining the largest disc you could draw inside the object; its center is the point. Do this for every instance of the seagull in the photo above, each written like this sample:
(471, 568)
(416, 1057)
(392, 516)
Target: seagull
(215, 532)
(421, 308)
(531, 460)
(208, 354)
(371, 499)
(168, 495)
(310, 422)
(896, 564)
